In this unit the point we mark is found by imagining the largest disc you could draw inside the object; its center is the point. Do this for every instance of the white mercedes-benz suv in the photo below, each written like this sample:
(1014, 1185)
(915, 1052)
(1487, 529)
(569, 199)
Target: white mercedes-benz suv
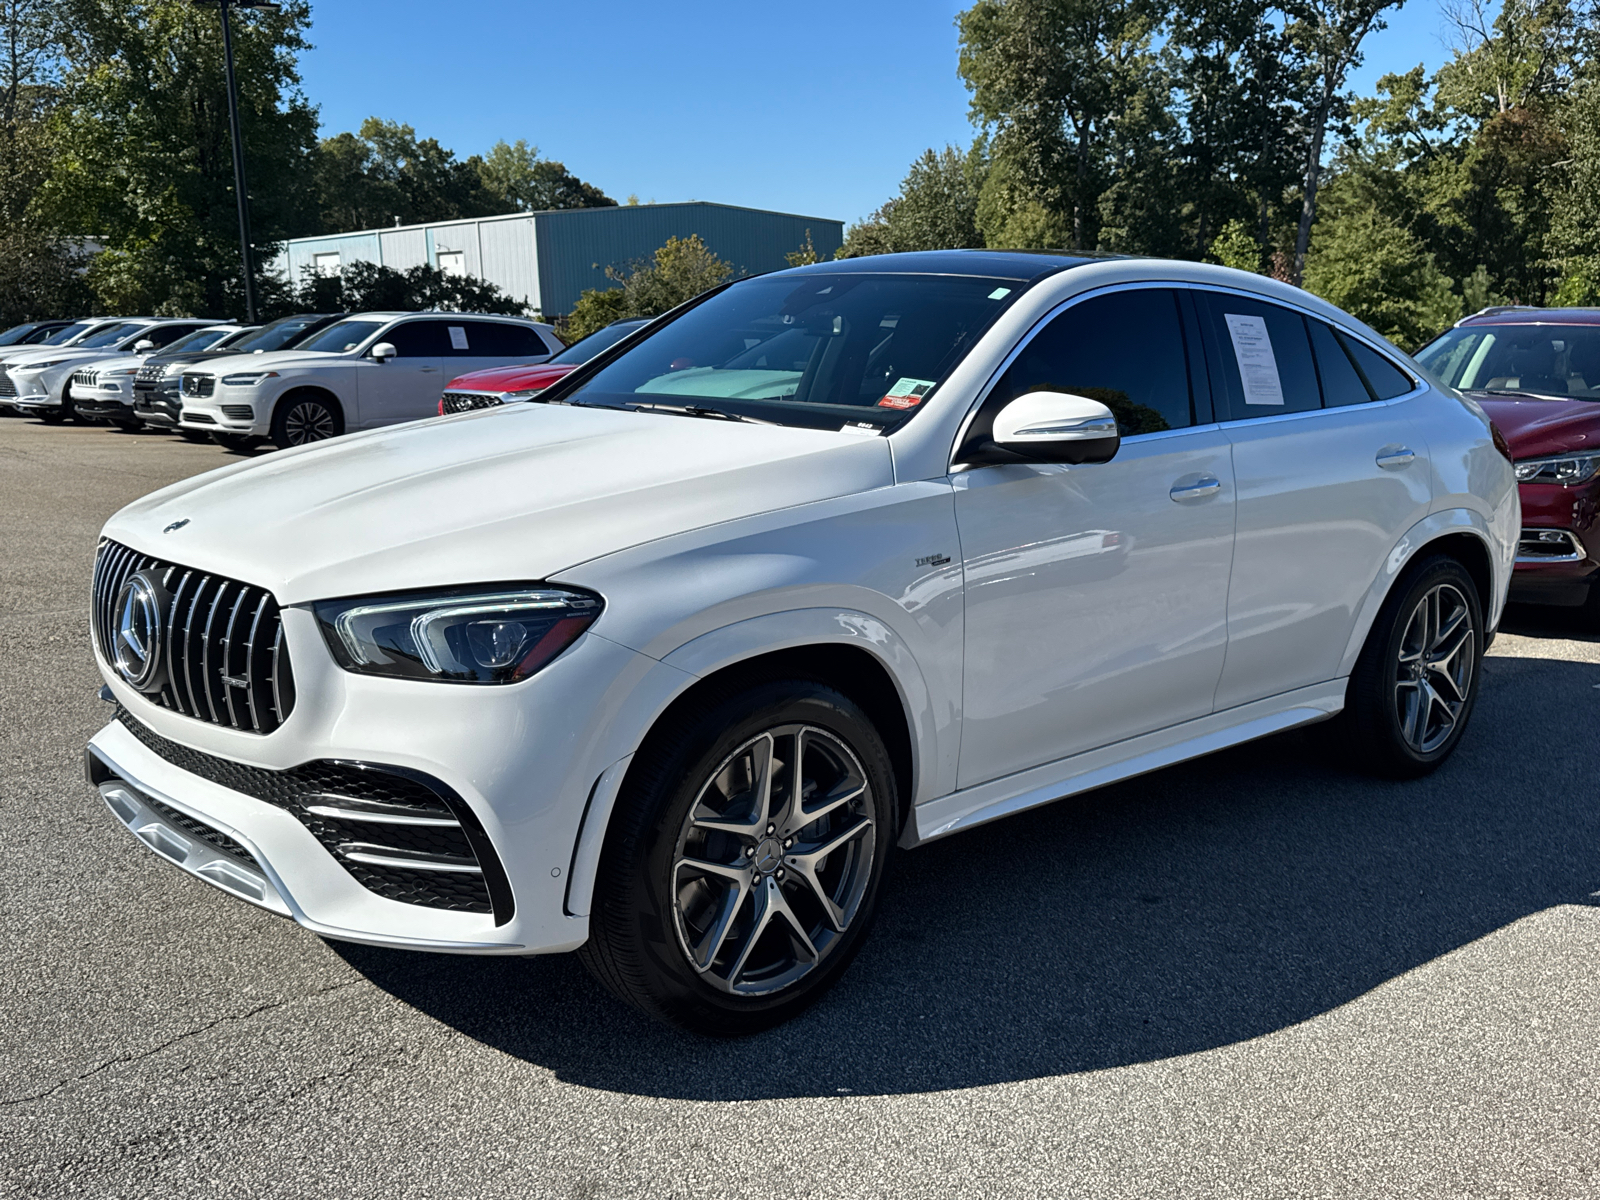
(362, 372)
(823, 563)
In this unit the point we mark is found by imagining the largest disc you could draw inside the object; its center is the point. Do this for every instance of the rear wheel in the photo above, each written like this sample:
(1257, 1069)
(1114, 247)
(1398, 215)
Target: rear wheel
(1416, 681)
(303, 418)
(742, 867)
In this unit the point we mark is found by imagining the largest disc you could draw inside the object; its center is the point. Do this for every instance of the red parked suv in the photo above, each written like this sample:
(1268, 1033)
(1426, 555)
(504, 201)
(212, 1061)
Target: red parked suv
(1536, 371)
(510, 385)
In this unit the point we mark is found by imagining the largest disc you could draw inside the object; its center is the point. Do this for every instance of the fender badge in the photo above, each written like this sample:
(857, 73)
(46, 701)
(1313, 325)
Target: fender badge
(933, 560)
(176, 525)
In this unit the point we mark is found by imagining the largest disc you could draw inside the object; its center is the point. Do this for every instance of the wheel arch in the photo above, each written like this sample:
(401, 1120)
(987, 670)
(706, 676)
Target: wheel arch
(1462, 535)
(318, 390)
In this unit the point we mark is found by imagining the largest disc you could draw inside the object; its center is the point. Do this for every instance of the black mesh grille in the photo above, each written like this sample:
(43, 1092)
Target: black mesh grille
(214, 838)
(459, 402)
(7, 387)
(325, 781)
(226, 661)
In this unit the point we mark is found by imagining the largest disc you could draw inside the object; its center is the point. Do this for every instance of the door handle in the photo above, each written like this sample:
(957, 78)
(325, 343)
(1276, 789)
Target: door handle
(1396, 456)
(1206, 485)
(427, 370)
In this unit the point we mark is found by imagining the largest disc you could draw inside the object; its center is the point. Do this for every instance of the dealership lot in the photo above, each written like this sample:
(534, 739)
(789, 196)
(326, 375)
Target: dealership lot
(1256, 975)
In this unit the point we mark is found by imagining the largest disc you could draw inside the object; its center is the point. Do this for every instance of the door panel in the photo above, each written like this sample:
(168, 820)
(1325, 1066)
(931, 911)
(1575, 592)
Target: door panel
(1095, 599)
(408, 386)
(1096, 594)
(1318, 512)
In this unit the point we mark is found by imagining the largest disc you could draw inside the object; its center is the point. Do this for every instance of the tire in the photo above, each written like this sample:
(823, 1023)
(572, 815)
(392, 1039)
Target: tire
(305, 417)
(52, 416)
(233, 441)
(1416, 683)
(723, 951)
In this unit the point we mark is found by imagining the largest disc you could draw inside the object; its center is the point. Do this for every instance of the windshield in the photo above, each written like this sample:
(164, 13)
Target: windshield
(76, 330)
(582, 350)
(16, 334)
(114, 333)
(341, 336)
(274, 336)
(200, 339)
(819, 349)
(1545, 360)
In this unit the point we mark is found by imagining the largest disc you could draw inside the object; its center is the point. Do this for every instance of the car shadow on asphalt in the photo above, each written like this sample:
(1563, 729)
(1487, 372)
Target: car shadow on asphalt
(1189, 909)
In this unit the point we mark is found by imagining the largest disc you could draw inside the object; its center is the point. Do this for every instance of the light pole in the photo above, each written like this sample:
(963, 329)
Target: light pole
(240, 192)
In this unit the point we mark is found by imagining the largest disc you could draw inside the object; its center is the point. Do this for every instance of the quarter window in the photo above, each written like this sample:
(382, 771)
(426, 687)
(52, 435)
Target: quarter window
(1265, 357)
(1384, 378)
(1341, 385)
(1125, 349)
(497, 339)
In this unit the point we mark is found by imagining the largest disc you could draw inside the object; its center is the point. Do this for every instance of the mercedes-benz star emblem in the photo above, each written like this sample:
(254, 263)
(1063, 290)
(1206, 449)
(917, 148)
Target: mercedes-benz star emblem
(176, 525)
(136, 652)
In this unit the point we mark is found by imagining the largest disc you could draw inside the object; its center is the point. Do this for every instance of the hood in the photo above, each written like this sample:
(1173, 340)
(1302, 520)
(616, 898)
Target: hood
(1536, 428)
(517, 492)
(270, 360)
(511, 379)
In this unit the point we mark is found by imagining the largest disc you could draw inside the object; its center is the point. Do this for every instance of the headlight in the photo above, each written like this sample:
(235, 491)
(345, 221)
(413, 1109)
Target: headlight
(38, 366)
(1565, 469)
(246, 378)
(124, 371)
(522, 394)
(464, 635)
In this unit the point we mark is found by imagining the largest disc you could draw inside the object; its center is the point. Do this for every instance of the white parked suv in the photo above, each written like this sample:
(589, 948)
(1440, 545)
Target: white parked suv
(365, 371)
(833, 560)
(40, 381)
(104, 389)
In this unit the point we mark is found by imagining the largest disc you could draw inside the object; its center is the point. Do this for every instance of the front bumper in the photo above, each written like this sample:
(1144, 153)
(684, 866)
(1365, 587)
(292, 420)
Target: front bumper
(233, 410)
(106, 405)
(1558, 554)
(157, 405)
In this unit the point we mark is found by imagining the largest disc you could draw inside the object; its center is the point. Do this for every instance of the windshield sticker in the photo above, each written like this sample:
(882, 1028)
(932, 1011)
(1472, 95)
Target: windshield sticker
(458, 338)
(1258, 368)
(999, 293)
(861, 429)
(906, 393)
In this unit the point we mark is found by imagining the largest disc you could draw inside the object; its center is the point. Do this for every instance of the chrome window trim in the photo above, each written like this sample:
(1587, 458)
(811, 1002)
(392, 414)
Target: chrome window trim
(1421, 386)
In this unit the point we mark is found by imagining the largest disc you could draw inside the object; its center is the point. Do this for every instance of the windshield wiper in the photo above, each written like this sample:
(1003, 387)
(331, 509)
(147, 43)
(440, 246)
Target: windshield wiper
(699, 410)
(1520, 392)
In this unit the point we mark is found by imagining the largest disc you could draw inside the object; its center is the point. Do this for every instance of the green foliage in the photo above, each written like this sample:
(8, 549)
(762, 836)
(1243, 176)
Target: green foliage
(1575, 216)
(679, 271)
(368, 287)
(935, 210)
(1237, 247)
(141, 150)
(521, 181)
(805, 256)
(1379, 271)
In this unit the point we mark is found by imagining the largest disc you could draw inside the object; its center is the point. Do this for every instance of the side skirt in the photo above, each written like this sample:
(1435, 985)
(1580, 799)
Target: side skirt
(1122, 760)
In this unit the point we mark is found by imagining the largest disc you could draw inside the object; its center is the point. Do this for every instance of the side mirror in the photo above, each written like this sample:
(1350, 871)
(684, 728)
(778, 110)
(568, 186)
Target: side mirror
(383, 352)
(1053, 427)
(144, 346)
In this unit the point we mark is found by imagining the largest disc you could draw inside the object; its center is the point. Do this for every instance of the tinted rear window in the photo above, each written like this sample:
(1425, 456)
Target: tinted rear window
(1265, 357)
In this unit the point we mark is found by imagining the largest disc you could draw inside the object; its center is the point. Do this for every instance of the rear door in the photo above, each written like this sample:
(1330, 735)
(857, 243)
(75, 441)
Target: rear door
(1331, 470)
(408, 386)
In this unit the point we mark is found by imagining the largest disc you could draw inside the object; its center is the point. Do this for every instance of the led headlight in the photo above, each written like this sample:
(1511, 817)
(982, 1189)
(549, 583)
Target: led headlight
(1565, 469)
(37, 366)
(494, 634)
(246, 378)
(522, 394)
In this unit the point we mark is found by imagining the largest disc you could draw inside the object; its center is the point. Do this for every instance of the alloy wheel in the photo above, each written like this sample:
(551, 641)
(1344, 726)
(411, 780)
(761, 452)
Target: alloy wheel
(308, 421)
(773, 860)
(1433, 675)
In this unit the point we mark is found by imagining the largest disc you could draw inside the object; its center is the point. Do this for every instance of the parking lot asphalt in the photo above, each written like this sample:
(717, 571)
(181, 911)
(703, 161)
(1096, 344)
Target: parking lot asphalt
(1254, 976)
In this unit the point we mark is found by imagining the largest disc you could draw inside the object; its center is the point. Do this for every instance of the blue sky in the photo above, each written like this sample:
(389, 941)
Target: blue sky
(813, 109)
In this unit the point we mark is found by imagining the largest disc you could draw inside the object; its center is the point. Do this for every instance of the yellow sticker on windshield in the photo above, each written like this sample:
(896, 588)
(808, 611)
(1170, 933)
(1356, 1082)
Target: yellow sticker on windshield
(906, 393)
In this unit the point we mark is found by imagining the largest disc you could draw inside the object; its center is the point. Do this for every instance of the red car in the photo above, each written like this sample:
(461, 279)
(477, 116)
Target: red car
(510, 385)
(1536, 371)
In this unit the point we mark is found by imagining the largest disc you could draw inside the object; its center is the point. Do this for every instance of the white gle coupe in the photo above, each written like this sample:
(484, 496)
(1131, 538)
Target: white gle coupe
(824, 563)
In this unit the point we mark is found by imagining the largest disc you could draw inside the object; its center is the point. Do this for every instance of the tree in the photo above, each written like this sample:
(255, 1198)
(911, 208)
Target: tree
(680, 270)
(1575, 219)
(935, 210)
(142, 161)
(1329, 33)
(521, 181)
(369, 287)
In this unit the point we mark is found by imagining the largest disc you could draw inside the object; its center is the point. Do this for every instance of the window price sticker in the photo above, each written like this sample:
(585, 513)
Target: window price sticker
(1258, 367)
(458, 338)
(906, 393)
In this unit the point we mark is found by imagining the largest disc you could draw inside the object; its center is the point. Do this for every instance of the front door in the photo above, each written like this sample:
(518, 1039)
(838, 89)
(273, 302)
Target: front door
(407, 387)
(1097, 594)
(1331, 471)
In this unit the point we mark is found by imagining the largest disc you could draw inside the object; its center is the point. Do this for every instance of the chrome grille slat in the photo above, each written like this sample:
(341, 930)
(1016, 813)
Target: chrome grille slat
(216, 629)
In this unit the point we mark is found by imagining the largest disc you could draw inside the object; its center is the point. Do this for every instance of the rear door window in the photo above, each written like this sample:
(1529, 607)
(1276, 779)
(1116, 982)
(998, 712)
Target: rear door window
(421, 339)
(1125, 349)
(1262, 355)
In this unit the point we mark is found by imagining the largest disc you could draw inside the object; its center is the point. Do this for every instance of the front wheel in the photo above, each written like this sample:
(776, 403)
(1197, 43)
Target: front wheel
(305, 418)
(742, 868)
(1416, 682)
